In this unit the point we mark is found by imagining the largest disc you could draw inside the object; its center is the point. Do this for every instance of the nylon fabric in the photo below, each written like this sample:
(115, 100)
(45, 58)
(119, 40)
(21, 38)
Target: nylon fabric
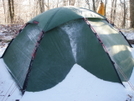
(117, 47)
(68, 40)
(58, 16)
(19, 53)
(53, 61)
(62, 47)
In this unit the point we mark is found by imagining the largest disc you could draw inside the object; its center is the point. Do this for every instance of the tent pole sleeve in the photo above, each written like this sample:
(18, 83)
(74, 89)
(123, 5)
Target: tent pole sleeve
(32, 59)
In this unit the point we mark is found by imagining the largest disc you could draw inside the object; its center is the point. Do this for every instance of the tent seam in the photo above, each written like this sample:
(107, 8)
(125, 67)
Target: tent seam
(32, 59)
(51, 19)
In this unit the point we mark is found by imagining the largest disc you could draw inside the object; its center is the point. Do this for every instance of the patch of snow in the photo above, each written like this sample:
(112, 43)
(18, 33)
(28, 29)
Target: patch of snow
(8, 88)
(132, 78)
(1, 33)
(130, 87)
(80, 85)
(73, 33)
(129, 34)
(2, 48)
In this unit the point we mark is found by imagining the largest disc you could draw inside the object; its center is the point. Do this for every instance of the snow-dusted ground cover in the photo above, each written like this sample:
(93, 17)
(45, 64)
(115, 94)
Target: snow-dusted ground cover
(76, 87)
(79, 85)
(129, 33)
(8, 89)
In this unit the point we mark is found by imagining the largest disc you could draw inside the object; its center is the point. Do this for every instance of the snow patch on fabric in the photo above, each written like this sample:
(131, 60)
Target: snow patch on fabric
(72, 29)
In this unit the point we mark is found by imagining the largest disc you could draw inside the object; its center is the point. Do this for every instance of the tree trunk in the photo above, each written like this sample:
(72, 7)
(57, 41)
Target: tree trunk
(37, 11)
(93, 5)
(71, 2)
(11, 10)
(105, 7)
(111, 16)
(4, 9)
(113, 10)
(41, 6)
(64, 2)
(57, 3)
(48, 4)
(131, 13)
(87, 2)
(124, 14)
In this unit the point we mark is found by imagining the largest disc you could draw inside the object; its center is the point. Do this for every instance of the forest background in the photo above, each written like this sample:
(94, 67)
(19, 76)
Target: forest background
(18, 12)
(119, 12)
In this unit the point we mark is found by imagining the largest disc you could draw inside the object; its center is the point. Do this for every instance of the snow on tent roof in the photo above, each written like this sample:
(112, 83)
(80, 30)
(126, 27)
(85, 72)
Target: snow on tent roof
(44, 52)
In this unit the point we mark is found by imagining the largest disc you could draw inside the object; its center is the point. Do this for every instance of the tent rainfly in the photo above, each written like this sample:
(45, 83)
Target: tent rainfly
(45, 50)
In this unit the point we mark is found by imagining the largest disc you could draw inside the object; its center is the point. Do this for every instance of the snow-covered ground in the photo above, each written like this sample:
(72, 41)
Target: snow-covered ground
(129, 33)
(79, 85)
(8, 89)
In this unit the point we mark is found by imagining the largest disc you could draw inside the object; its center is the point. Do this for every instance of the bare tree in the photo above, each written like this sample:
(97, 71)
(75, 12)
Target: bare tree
(4, 9)
(92, 4)
(131, 13)
(113, 10)
(41, 5)
(105, 7)
(87, 2)
(11, 10)
(57, 3)
(36, 7)
(65, 2)
(94, 9)
(48, 6)
(97, 2)
(71, 2)
(124, 12)
(78, 3)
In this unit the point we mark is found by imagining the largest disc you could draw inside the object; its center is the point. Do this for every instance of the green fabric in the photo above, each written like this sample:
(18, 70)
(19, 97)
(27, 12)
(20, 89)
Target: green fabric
(67, 40)
(55, 17)
(61, 48)
(93, 58)
(19, 53)
(53, 61)
(117, 47)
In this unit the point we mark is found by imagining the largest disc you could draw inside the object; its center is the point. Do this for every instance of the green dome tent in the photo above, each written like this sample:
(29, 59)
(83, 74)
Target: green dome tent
(45, 50)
